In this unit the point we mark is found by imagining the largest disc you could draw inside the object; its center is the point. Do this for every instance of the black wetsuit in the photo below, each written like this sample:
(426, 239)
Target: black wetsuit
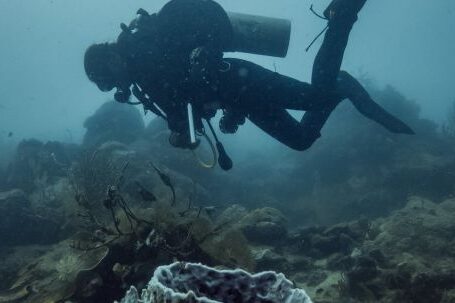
(242, 88)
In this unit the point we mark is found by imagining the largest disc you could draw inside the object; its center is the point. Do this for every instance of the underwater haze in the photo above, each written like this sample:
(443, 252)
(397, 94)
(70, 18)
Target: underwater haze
(107, 202)
(407, 44)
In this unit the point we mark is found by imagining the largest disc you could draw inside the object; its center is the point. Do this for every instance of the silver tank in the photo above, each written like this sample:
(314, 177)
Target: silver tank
(259, 35)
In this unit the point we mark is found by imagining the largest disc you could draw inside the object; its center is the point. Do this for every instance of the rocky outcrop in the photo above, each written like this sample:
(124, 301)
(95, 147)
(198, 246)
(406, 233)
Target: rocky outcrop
(113, 122)
(20, 225)
(406, 257)
(36, 164)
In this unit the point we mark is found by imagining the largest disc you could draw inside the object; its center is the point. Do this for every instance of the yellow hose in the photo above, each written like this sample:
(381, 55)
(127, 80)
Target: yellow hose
(212, 147)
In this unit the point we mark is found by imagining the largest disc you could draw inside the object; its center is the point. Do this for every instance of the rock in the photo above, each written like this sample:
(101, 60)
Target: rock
(312, 278)
(356, 230)
(365, 269)
(20, 225)
(26, 165)
(419, 230)
(379, 257)
(398, 280)
(330, 244)
(427, 287)
(449, 296)
(2, 179)
(121, 270)
(339, 262)
(113, 122)
(321, 242)
(36, 163)
(233, 214)
(267, 259)
(328, 290)
(264, 226)
(299, 263)
(15, 198)
(157, 129)
(410, 259)
(88, 284)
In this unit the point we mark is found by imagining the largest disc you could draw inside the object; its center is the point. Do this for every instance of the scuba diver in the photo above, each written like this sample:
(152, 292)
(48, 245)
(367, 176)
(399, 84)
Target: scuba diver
(172, 61)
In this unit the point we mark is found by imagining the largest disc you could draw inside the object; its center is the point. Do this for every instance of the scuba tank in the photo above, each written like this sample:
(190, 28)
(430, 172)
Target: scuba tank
(207, 20)
(259, 35)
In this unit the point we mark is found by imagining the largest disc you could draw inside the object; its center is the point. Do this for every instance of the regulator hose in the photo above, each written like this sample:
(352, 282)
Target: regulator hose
(212, 147)
(223, 159)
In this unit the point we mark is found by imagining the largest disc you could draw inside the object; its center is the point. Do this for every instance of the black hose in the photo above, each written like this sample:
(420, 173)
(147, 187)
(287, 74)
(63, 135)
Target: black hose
(223, 159)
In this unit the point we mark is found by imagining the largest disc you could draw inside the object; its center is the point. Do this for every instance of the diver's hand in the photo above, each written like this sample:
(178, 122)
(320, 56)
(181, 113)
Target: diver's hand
(182, 141)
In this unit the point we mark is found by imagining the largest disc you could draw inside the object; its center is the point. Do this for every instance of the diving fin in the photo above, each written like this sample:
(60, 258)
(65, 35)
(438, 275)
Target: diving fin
(377, 113)
(359, 97)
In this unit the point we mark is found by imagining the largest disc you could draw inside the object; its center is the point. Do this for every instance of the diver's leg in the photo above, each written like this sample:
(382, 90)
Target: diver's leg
(262, 88)
(279, 124)
(348, 86)
(266, 97)
(286, 92)
(313, 121)
(341, 15)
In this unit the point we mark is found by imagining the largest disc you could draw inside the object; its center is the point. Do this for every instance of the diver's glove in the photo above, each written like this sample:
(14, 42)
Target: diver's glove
(230, 122)
(182, 141)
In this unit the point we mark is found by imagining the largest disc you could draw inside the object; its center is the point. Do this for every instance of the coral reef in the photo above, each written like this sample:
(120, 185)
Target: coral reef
(406, 257)
(361, 217)
(188, 282)
(58, 274)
